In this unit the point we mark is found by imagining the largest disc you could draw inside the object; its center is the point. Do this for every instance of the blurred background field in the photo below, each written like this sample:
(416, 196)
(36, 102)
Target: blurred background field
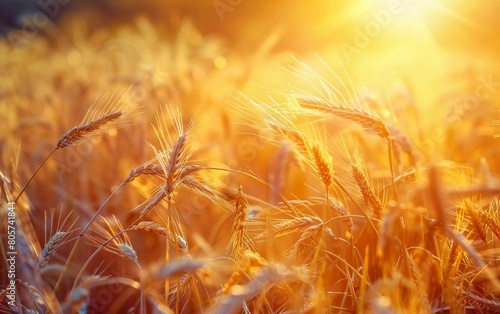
(430, 67)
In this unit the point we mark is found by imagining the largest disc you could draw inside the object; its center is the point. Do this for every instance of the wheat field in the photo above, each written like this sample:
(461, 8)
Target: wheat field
(209, 162)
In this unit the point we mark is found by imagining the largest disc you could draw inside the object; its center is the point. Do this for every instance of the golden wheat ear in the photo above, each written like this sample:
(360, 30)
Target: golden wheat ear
(367, 120)
(237, 243)
(109, 112)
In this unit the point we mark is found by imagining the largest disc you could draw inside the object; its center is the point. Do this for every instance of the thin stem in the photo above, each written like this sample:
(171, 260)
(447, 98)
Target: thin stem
(82, 233)
(167, 248)
(34, 173)
(389, 145)
(329, 211)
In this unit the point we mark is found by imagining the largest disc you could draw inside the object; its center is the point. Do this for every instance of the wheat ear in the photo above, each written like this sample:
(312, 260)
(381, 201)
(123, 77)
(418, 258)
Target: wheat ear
(367, 191)
(323, 164)
(79, 133)
(72, 137)
(50, 249)
(292, 225)
(153, 227)
(172, 169)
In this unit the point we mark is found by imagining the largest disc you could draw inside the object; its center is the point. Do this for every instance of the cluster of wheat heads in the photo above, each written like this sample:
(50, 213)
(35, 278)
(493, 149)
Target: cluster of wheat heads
(332, 208)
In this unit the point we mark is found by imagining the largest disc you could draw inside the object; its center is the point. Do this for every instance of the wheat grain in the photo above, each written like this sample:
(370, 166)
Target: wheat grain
(295, 136)
(342, 211)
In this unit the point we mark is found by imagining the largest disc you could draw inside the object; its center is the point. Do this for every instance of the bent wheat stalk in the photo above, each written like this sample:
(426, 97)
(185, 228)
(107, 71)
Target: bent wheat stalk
(106, 114)
(364, 118)
(367, 191)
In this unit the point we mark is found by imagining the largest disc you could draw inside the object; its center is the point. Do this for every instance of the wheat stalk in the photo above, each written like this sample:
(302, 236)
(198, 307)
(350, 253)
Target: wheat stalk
(79, 296)
(480, 302)
(174, 163)
(291, 134)
(364, 118)
(81, 132)
(148, 169)
(398, 137)
(267, 275)
(106, 114)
